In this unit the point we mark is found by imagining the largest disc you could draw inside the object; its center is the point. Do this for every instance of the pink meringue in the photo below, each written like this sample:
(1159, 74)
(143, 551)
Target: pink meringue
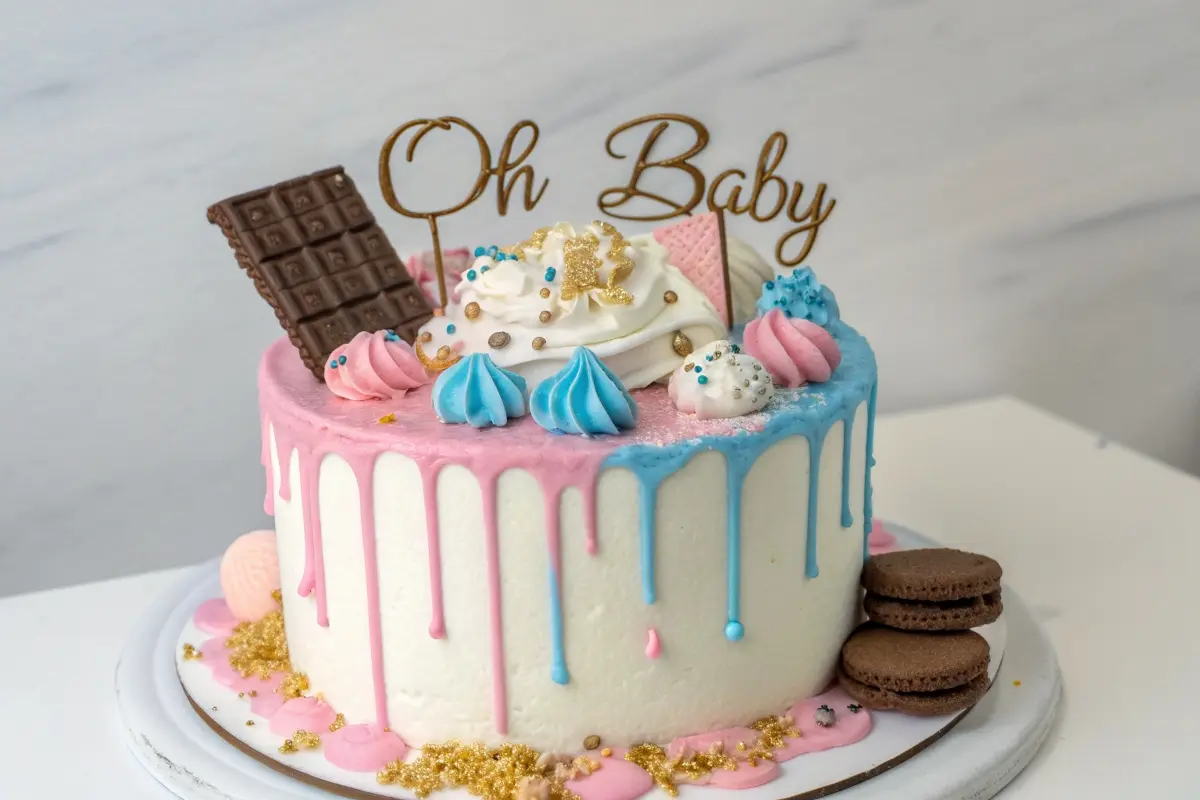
(374, 366)
(250, 574)
(794, 351)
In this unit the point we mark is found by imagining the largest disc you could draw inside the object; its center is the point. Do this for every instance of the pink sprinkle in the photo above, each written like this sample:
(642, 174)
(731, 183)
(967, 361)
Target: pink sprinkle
(653, 646)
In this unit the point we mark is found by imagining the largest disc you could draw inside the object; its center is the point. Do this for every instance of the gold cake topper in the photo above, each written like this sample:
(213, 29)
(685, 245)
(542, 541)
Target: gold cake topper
(762, 196)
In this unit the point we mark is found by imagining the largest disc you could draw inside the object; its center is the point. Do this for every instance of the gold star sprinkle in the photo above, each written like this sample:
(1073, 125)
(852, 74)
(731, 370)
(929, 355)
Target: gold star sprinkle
(190, 653)
(338, 723)
(387, 419)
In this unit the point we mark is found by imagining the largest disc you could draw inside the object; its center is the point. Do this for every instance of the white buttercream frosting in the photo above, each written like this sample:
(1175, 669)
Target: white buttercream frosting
(719, 381)
(747, 274)
(620, 298)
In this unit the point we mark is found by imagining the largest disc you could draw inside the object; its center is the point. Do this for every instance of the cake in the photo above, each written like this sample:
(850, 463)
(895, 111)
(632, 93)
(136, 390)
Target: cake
(618, 490)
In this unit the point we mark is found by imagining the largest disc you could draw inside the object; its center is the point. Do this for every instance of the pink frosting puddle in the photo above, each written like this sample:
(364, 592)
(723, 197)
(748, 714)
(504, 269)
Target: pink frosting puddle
(216, 657)
(849, 728)
(616, 779)
(794, 351)
(880, 539)
(213, 616)
(266, 702)
(302, 714)
(745, 776)
(363, 748)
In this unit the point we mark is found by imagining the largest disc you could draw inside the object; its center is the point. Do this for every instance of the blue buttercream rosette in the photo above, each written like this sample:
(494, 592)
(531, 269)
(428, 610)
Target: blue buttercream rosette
(478, 393)
(583, 398)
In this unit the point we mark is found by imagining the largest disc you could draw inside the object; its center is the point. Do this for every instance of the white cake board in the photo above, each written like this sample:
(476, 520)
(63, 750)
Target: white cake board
(976, 757)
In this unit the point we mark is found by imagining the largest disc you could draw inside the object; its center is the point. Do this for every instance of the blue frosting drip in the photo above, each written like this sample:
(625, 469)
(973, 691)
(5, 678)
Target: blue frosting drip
(868, 511)
(583, 398)
(800, 295)
(847, 440)
(558, 661)
(477, 392)
(809, 412)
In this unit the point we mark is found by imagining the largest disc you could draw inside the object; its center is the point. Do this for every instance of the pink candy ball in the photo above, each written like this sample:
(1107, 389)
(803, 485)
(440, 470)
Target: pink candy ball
(249, 574)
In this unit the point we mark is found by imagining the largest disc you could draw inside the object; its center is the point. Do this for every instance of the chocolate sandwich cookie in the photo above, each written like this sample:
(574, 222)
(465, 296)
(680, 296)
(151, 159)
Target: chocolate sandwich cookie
(936, 589)
(926, 674)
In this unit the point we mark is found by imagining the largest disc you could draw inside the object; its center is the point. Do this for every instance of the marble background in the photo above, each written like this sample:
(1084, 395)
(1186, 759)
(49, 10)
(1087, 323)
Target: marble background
(1018, 208)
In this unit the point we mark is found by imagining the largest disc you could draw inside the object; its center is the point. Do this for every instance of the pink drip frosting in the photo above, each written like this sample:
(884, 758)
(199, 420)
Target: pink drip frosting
(377, 366)
(794, 351)
(302, 714)
(363, 748)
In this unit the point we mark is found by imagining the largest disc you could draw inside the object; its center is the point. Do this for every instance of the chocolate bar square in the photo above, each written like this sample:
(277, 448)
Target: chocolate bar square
(315, 254)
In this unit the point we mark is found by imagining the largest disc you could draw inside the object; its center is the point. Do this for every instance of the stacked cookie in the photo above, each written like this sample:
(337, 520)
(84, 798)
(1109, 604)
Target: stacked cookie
(918, 653)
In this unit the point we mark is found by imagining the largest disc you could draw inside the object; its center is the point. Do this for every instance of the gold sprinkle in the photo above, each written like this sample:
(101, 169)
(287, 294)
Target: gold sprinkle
(508, 771)
(214, 708)
(694, 766)
(669, 296)
(287, 747)
(260, 647)
(741, 746)
(544, 292)
(1016, 683)
(545, 317)
(688, 367)
(387, 419)
(471, 310)
(241, 695)
(305, 740)
(606, 752)
(426, 336)
(682, 344)
(249, 723)
(338, 723)
(538, 343)
(294, 685)
(190, 653)
(591, 743)
(500, 339)
(253, 693)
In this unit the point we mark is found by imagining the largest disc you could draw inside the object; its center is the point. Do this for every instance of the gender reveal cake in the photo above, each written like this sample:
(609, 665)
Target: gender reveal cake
(597, 524)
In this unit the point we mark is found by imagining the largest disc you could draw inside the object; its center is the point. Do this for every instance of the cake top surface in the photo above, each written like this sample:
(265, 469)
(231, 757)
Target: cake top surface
(289, 394)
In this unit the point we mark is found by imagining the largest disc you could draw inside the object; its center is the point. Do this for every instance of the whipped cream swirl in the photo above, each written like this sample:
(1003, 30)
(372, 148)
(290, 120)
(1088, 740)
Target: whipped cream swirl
(530, 306)
(719, 381)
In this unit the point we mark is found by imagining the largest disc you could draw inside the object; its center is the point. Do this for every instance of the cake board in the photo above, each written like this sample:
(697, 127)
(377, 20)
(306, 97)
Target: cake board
(971, 755)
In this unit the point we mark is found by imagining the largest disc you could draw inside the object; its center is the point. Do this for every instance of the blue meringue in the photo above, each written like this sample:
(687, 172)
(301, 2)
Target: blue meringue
(477, 392)
(583, 398)
(800, 295)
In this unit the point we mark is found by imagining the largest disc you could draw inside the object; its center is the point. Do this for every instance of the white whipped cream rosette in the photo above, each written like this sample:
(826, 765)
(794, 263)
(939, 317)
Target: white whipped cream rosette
(720, 381)
(529, 309)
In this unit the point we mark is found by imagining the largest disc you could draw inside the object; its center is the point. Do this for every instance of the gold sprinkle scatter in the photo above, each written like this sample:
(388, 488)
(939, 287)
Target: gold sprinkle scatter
(338, 723)
(682, 344)
(545, 317)
(534, 242)
(694, 766)
(688, 367)
(241, 695)
(426, 336)
(260, 647)
(288, 747)
(294, 685)
(606, 752)
(538, 343)
(499, 340)
(253, 693)
(773, 733)
(1016, 683)
(508, 771)
(741, 746)
(387, 419)
(190, 653)
(249, 723)
(669, 296)
(306, 740)
(544, 292)
(591, 743)
(472, 310)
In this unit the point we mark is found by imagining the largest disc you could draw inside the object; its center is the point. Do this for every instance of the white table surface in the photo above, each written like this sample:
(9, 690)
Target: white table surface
(1099, 540)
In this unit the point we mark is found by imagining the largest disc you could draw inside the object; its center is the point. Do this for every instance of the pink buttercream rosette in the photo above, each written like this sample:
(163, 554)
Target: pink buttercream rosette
(374, 366)
(794, 351)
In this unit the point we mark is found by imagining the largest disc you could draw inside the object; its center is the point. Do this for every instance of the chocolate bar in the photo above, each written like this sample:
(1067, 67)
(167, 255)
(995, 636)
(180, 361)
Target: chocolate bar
(315, 254)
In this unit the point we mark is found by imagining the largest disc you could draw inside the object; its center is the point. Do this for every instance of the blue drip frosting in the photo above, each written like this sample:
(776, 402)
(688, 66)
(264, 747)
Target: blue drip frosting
(809, 412)
(477, 392)
(868, 511)
(800, 295)
(583, 398)
(558, 661)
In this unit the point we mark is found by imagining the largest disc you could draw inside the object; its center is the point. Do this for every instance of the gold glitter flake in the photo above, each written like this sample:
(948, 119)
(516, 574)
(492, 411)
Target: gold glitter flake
(190, 653)
(682, 344)
(472, 310)
(338, 723)
(294, 685)
(622, 266)
(306, 740)
(544, 292)
(503, 773)
(534, 242)
(259, 648)
(693, 766)
(538, 343)
(288, 747)
(670, 297)
(499, 340)
(545, 317)
(581, 267)
(387, 419)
